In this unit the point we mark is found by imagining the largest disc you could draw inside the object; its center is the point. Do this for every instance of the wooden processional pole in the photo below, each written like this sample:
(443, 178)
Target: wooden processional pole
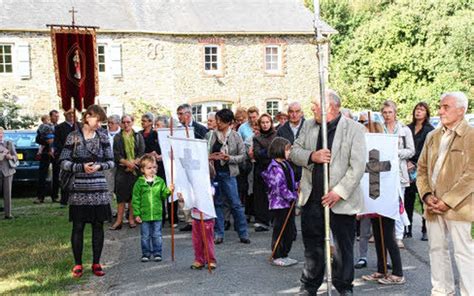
(172, 191)
(382, 237)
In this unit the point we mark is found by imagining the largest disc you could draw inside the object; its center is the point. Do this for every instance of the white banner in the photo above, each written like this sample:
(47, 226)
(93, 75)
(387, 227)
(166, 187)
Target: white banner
(381, 181)
(191, 159)
(163, 134)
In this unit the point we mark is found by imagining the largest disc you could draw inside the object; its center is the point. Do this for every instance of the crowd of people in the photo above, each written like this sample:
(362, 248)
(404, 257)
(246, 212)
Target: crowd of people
(266, 173)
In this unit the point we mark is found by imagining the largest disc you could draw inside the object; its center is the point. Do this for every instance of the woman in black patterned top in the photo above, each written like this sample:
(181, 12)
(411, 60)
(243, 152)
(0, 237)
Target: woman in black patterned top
(87, 153)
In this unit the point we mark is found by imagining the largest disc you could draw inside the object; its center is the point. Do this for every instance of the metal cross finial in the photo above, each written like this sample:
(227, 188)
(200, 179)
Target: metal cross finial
(72, 12)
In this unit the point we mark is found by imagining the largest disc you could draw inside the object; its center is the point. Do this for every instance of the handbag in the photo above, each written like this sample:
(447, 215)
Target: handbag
(67, 178)
(12, 162)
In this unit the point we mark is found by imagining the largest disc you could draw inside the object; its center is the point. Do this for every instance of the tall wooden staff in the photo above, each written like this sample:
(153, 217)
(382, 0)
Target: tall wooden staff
(382, 238)
(320, 40)
(203, 228)
(172, 191)
(282, 230)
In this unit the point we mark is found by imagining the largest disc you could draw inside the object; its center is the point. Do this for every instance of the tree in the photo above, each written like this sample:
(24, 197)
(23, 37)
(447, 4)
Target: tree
(404, 50)
(9, 116)
(141, 106)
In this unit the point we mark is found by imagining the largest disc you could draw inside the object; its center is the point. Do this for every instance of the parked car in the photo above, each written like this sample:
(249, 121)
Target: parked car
(434, 120)
(26, 149)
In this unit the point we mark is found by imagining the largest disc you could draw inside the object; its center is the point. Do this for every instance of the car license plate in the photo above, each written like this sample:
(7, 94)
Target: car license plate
(20, 156)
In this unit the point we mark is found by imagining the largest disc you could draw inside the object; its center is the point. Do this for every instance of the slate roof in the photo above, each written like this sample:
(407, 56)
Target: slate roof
(164, 16)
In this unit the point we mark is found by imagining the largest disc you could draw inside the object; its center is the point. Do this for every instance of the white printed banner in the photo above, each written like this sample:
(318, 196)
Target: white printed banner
(164, 142)
(191, 159)
(381, 180)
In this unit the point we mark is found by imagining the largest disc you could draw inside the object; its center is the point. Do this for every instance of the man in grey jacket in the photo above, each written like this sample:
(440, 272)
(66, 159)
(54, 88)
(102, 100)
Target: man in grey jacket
(346, 155)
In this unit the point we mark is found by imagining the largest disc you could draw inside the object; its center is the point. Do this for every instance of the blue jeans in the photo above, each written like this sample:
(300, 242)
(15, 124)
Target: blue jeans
(151, 238)
(228, 189)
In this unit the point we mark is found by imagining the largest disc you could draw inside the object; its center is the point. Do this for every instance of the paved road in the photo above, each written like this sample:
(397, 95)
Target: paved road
(242, 269)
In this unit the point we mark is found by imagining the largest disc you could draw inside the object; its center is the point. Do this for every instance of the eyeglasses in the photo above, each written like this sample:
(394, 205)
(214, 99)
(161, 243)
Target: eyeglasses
(182, 113)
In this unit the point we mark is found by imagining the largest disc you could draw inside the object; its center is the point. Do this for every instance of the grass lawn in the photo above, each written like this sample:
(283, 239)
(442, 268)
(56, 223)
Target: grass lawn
(35, 251)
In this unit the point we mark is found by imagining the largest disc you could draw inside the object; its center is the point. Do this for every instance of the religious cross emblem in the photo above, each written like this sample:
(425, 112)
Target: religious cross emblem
(188, 162)
(374, 167)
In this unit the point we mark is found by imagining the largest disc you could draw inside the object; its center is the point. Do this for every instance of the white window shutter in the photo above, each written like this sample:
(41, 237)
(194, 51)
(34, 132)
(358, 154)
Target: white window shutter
(23, 59)
(116, 60)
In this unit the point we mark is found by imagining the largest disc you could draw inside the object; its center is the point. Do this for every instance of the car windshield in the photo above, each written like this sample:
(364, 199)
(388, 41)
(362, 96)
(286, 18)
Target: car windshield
(21, 139)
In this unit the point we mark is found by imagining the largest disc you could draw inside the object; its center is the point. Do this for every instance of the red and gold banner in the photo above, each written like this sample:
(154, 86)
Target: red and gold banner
(75, 65)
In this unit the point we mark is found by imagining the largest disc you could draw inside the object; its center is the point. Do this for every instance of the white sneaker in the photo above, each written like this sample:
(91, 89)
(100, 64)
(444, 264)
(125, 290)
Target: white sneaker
(290, 261)
(284, 262)
(279, 262)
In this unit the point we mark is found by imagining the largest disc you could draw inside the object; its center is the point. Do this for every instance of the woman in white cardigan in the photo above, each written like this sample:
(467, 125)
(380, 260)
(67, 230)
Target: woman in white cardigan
(406, 149)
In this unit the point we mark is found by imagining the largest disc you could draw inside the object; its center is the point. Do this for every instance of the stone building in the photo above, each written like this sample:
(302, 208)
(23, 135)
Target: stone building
(210, 53)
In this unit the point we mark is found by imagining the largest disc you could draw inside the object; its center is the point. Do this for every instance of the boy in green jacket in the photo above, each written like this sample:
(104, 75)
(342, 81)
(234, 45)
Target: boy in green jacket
(148, 192)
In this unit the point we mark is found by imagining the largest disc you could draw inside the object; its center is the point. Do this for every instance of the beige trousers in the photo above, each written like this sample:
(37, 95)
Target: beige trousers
(442, 278)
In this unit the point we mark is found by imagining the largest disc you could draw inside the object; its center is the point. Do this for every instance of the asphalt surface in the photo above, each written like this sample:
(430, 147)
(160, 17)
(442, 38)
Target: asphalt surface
(241, 269)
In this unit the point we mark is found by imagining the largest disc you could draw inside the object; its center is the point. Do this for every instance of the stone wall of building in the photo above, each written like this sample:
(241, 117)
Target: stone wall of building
(163, 70)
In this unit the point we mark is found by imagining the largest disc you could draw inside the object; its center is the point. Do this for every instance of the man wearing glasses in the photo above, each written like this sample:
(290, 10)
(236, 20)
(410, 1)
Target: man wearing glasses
(186, 119)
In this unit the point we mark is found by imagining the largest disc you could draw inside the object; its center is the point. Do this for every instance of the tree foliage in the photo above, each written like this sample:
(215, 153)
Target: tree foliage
(9, 113)
(404, 50)
(141, 106)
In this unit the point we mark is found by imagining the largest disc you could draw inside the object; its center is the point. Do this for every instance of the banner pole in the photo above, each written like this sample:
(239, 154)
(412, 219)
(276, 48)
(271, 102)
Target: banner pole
(382, 237)
(172, 191)
(327, 233)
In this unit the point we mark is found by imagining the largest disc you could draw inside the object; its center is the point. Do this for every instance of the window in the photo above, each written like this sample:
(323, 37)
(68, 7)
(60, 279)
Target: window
(197, 112)
(272, 107)
(101, 57)
(272, 58)
(211, 58)
(208, 107)
(6, 64)
(227, 106)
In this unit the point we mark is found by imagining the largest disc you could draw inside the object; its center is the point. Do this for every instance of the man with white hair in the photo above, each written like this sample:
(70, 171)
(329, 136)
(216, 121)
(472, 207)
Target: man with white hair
(445, 181)
(346, 155)
(291, 129)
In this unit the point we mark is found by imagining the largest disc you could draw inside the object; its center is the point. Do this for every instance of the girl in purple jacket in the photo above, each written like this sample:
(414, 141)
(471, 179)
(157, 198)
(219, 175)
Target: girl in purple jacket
(281, 188)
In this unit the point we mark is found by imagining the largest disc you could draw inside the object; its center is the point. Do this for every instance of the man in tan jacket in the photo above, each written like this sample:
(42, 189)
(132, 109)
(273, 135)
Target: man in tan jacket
(445, 182)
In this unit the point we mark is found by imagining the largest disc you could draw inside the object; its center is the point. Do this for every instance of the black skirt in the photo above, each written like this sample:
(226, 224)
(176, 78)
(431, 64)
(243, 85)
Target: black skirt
(124, 182)
(90, 213)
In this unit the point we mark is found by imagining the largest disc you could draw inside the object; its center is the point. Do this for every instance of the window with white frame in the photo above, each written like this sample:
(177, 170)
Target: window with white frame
(6, 61)
(212, 59)
(272, 107)
(197, 112)
(272, 58)
(101, 58)
(201, 110)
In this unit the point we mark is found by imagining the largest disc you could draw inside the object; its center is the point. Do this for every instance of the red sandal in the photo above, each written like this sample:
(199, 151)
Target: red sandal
(77, 271)
(97, 270)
